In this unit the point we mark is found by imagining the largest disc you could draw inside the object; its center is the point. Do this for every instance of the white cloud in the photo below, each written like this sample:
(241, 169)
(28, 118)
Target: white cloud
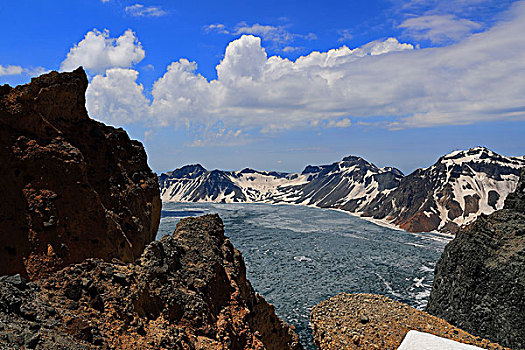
(18, 70)
(439, 28)
(256, 91)
(278, 36)
(343, 123)
(36, 71)
(271, 33)
(344, 35)
(148, 67)
(217, 27)
(383, 83)
(116, 98)
(98, 52)
(464, 8)
(289, 49)
(139, 10)
(10, 70)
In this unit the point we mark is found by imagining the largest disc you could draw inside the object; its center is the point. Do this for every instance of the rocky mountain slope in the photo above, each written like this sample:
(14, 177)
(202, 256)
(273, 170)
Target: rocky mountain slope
(187, 291)
(479, 282)
(72, 187)
(451, 193)
(368, 321)
(324, 186)
(79, 211)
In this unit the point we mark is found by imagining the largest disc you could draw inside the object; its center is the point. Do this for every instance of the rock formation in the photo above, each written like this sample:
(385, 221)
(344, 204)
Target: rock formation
(368, 321)
(187, 291)
(72, 188)
(479, 282)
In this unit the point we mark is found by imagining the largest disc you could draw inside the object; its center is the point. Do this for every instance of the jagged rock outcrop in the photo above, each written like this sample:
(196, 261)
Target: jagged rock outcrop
(369, 321)
(187, 291)
(479, 282)
(453, 192)
(72, 188)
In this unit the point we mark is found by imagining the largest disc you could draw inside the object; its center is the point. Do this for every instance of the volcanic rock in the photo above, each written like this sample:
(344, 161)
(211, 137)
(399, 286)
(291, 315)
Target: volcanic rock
(187, 291)
(72, 188)
(479, 282)
(337, 323)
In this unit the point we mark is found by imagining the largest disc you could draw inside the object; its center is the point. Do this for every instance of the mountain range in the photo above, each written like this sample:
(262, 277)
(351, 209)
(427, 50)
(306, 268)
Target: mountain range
(453, 192)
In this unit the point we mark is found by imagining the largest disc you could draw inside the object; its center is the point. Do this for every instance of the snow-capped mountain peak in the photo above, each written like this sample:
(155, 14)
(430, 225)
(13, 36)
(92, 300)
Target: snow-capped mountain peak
(453, 192)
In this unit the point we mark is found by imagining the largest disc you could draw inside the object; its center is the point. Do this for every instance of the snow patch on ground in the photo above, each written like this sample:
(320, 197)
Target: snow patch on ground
(415, 340)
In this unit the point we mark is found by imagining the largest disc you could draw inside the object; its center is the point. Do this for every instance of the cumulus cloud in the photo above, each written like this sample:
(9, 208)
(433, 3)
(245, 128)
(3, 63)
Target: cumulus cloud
(256, 91)
(384, 83)
(439, 28)
(98, 52)
(139, 10)
(116, 98)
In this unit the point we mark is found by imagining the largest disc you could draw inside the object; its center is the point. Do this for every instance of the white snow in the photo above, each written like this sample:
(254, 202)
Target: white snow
(415, 340)
(474, 155)
(263, 187)
(479, 183)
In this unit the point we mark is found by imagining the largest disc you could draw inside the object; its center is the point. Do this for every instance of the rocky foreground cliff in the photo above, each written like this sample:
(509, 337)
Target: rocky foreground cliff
(187, 291)
(479, 282)
(79, 212)
(72, 188)
(375, 322)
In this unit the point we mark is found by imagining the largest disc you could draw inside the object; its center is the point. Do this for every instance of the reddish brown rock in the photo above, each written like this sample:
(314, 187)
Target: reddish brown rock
(375, 322)
(187, 291)
(72, 188)
(420, 222)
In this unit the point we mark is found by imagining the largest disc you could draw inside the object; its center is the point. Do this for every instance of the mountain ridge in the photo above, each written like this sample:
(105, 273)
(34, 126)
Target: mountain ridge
(449, 194)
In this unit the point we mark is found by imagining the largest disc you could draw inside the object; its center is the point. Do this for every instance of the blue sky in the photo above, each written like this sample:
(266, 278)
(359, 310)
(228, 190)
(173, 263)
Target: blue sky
(282, 84)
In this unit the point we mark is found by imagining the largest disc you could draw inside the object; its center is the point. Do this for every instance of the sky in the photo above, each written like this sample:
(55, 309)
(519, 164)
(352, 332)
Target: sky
(278, 85)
